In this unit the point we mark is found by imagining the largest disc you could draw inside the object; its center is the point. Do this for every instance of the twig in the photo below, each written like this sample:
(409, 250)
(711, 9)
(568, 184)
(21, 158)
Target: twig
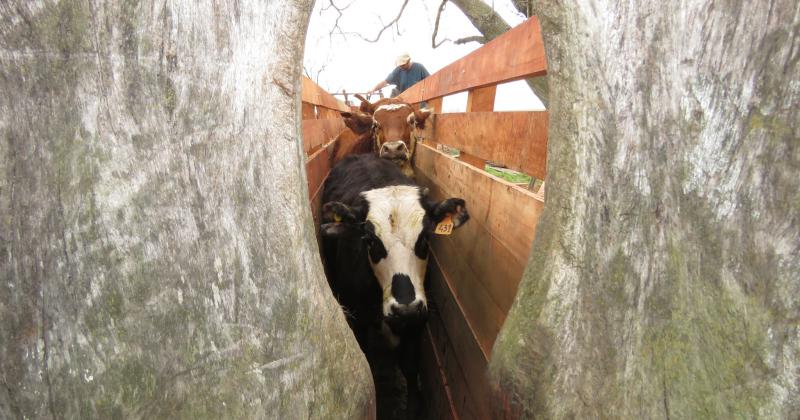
(336, 27)
(385, 27)
(436, 26)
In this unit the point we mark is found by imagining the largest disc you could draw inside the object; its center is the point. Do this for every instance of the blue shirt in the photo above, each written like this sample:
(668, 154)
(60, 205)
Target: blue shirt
(404, 79)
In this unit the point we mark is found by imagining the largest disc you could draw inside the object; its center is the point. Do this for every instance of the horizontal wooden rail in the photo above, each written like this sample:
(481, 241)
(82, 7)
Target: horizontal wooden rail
(313, 94)
(319, 132)
(514, 55)
(517, 140)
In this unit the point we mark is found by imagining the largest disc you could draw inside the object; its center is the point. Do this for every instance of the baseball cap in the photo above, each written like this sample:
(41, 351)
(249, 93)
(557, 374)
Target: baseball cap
(402, 59)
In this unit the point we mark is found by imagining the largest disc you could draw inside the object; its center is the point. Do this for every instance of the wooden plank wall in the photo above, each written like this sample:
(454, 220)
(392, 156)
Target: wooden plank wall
(515, 55)
(474, 273)
(321, 126)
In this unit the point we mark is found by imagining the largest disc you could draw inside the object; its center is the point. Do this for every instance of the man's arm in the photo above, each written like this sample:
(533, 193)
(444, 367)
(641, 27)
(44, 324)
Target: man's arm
(379, 85)
(390, 79)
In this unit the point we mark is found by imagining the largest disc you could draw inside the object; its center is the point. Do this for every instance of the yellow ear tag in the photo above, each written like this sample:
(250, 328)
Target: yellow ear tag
(445, 227)
(337, 218)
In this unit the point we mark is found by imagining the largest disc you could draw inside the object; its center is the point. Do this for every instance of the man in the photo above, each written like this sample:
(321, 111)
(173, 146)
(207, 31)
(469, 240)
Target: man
(405, 75)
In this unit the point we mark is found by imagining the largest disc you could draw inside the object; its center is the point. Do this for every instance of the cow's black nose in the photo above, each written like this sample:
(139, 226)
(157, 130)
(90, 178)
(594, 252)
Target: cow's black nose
(402, 289)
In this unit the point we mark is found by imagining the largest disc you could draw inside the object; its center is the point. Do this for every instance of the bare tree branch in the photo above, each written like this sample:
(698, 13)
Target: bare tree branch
(436, 26)
(483, 17)
(311, 74)
(336, 28)
(524, 7)
(385, 27)
(476, 38)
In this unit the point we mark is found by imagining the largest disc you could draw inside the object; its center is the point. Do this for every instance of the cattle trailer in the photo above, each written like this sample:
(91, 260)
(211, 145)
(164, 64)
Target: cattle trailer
(474, 274)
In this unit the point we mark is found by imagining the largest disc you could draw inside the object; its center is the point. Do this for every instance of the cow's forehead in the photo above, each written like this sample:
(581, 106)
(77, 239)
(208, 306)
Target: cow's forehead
(393, 107)
(396, 213)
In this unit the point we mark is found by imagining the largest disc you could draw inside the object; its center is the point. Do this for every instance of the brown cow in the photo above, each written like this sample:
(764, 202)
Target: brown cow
(393, 122)
(356, 138)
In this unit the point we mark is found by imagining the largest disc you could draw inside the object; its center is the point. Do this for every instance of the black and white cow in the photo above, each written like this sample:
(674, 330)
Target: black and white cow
(376, 223)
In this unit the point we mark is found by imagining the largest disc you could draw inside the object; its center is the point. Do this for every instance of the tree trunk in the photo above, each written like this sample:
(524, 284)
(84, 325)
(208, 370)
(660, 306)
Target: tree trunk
(157, 254)
(491, 25)
(664, 276)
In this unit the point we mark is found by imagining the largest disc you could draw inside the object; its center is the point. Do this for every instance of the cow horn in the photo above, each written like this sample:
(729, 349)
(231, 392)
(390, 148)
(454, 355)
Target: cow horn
(366, 106)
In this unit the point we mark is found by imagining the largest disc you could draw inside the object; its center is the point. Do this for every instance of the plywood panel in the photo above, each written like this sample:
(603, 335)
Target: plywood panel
(517, 54)
(312, 93)
(319, 132)
(309, 111)
(318, 165)
(485, 275)
(507, 212)
(434, 382)
(463, 362)
(435, 104)
(518, 140)
(481, 99)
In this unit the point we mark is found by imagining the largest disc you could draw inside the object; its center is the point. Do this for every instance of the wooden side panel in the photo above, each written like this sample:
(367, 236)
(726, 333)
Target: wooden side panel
(309, 111)
(462, 360)
(517, 54)
(319, 132)
(434, 382)
(485, 258)
(318, 166)
(313, 94)
(481, 99)
(515, 139)
(435, 104)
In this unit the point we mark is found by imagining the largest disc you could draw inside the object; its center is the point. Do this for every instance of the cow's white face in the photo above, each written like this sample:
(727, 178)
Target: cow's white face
(394, 224)
(397, 243)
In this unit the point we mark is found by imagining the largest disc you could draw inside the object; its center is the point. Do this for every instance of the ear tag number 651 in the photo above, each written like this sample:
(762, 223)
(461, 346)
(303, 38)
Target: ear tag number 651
(445, 227)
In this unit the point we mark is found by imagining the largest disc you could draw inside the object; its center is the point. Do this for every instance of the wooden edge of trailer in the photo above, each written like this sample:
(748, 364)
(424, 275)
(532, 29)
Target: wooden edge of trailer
(516, 54)
(312, 93)
(319, 132)
(475, 272)
(517, 140)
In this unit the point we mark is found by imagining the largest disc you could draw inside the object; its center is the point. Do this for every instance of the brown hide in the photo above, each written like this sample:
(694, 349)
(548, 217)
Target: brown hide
(350, 142)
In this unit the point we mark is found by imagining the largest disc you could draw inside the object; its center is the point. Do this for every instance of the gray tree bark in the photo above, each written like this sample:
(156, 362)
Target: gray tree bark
(157, 253)
(664, 277)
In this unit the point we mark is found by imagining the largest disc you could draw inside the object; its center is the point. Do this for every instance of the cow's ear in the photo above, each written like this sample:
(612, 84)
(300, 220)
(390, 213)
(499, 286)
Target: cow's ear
(456, 208)
(366, 106)
(418, 117)
(358, 122)
(339, 220)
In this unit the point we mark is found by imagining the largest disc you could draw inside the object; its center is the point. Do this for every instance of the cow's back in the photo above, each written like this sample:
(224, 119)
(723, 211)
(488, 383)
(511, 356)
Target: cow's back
(358, 173)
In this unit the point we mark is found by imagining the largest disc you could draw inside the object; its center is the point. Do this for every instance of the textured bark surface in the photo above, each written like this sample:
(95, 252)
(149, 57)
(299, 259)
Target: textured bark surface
(157, 253)
(664, 277)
